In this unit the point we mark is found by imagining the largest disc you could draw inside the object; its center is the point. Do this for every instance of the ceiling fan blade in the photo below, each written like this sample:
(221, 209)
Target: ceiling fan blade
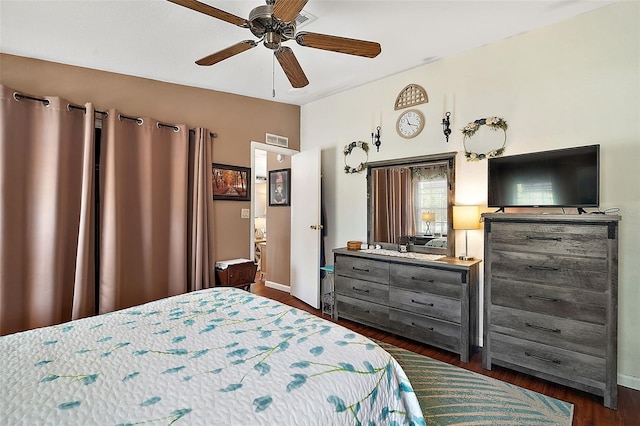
(291, 67)
(212, 11)
(227, 53)
(350, 46)
(288, 10)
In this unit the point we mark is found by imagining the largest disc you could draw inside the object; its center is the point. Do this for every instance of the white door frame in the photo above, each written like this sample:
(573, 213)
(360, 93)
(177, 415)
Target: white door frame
(252, 239)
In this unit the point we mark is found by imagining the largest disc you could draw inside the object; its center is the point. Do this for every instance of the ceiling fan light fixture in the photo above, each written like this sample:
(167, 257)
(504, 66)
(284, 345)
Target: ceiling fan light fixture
(272, 40)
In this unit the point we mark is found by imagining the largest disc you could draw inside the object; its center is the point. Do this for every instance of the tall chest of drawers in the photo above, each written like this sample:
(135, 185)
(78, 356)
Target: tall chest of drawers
(434, 302)
(551, 298)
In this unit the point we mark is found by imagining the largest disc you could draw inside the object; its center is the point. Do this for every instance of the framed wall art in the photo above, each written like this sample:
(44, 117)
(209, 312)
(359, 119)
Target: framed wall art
(231, 182)
(280, 187)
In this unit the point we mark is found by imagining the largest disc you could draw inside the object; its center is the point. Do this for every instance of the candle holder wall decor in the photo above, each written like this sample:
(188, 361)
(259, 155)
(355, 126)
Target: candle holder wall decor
(375, 139)
(446, 123)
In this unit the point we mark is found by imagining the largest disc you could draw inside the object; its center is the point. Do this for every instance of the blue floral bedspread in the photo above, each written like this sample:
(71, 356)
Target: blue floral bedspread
(216, 356)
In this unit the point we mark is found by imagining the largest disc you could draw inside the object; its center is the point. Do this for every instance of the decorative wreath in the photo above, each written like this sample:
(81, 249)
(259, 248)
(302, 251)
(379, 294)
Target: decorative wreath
(494, 123)
(347, 151)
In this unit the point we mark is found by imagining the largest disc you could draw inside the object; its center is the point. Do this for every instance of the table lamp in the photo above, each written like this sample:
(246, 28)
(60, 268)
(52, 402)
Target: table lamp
(428, 217)
(465, 218)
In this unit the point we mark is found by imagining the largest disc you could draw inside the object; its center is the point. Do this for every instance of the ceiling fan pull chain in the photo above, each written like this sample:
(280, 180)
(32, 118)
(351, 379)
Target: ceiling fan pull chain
(273, 75)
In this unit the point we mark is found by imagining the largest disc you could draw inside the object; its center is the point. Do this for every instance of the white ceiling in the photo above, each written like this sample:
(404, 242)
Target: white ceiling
(159, 40)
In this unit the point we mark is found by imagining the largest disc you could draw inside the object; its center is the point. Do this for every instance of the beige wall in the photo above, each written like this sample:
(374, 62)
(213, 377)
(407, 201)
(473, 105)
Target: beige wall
(237, 120)
(278, 231)
(570, 84)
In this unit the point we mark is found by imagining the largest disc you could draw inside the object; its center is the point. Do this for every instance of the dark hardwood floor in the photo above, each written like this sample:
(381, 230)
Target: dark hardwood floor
(588, 409)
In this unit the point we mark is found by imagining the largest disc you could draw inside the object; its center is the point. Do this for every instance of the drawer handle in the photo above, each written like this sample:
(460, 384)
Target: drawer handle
(544, 238)
(355, 308)
(359, 270)
(359, 289)
(541, 358)
(546, 299)
(418, 279)
(417, 302)
(537, 327)
(424, 328)
(542, 268)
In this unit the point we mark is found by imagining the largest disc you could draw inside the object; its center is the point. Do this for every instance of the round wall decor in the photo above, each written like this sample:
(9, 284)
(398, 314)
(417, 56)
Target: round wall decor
(347, 151)
(493, 123)
(410, 123)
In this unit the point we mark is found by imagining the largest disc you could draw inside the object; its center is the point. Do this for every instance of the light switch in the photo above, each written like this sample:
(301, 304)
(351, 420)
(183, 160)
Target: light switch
(244, 213)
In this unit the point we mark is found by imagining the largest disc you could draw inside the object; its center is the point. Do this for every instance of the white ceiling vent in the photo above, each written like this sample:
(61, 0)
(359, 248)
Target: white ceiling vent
(276, 140)
(304, 18)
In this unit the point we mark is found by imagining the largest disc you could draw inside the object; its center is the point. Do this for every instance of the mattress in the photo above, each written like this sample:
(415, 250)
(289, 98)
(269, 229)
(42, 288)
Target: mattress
(215, 356)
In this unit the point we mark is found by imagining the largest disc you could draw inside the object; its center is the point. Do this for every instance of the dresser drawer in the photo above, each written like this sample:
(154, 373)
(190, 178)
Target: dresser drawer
(550, 238)
(581, 368)
(364, 269)
(426, 304)
(365, 290)
(567, 302)
(579, 272)
(564, 333)
(434, 332)
(362, 311)
(430, 280)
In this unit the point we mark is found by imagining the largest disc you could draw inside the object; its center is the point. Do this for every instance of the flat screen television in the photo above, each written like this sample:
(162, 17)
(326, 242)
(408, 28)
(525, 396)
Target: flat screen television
(559, 178)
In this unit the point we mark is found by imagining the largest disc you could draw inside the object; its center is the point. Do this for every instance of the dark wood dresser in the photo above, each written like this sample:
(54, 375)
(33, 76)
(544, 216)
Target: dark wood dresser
(240, 273)
(551, 298)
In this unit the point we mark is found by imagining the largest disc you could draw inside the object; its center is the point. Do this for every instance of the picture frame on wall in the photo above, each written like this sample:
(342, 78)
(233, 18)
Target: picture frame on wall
(231, 182)
(280, 187)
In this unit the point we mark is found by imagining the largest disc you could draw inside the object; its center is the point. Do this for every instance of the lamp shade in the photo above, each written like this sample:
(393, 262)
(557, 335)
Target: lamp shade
(428, 216)
(466, 217)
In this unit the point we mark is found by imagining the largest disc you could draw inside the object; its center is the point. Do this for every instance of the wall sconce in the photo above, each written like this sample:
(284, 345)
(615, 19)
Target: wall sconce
(428, 217)
(465, 218)
(445, 125)
(375, 139)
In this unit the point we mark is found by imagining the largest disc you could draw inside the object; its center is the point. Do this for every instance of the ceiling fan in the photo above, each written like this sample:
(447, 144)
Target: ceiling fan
(274, 24)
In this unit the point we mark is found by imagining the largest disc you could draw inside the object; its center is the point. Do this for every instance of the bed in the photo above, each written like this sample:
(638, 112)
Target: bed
(215, 356)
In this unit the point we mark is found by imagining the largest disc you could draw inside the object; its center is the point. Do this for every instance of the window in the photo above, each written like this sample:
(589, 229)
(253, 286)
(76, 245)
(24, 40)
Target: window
(430, 190)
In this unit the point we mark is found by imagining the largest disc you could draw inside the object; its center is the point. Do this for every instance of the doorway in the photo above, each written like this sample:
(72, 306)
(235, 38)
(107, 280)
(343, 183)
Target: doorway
(270, 240)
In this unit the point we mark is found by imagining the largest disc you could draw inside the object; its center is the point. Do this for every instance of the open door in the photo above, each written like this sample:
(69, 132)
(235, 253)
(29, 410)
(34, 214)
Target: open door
(306, 228)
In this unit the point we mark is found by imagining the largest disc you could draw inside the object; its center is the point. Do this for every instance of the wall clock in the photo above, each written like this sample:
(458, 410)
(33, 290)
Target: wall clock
(410, 123)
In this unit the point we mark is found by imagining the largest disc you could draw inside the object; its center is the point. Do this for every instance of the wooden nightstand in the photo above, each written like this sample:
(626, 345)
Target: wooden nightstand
(240, 273)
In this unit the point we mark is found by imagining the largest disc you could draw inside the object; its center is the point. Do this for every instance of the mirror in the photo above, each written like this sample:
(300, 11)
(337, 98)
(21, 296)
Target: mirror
(410, 201)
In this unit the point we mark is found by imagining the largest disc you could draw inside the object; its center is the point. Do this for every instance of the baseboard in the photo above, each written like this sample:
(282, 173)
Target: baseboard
(278, 286)
(629, 381)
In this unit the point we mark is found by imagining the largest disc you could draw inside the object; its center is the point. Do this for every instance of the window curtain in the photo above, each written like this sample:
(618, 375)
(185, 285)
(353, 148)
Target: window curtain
(46, 212)
(143, 184)
(200, 214)
(394, 204)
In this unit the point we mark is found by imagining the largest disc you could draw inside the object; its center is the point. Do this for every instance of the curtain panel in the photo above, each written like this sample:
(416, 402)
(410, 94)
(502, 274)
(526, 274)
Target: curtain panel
(46, 212)
(393, 204)
(201, 260)
(143, 186)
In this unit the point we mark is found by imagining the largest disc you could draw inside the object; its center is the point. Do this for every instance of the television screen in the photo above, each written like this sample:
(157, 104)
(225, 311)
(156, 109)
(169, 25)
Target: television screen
(560, 178)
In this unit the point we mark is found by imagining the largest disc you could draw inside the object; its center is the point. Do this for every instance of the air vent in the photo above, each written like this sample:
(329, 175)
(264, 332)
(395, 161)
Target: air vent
(304, 18)
(276, 140)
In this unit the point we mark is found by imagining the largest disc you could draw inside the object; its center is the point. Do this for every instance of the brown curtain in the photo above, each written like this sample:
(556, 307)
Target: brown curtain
(143, 185)
(46, 212)
(393, 204)
(200, 212)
